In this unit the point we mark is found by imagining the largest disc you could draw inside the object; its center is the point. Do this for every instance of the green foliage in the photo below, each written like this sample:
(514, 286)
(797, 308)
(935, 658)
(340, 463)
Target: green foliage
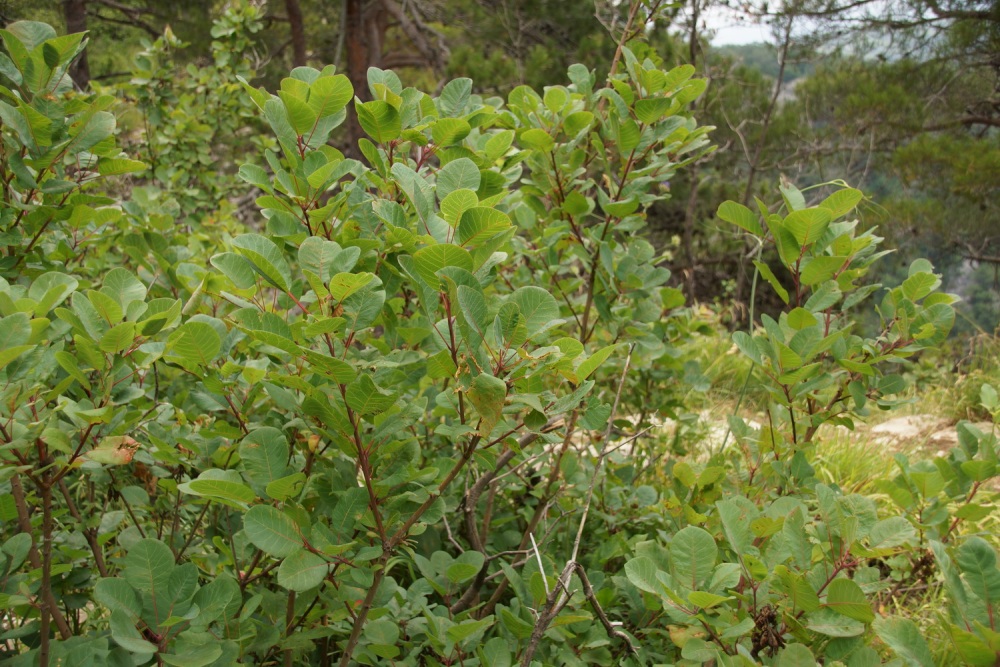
(196, 123)
(384, 422)
(772, 564)
(55, 144)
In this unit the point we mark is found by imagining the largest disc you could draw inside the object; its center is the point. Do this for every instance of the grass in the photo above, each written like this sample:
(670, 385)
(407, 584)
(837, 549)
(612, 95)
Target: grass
(853, 463)
(945, 384)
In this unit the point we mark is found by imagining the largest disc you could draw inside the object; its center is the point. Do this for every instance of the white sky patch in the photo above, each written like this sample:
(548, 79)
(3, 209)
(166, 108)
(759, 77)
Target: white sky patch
(732, 27)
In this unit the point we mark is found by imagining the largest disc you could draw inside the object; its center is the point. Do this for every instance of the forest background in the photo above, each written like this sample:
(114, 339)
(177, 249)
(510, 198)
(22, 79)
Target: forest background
(900, 99)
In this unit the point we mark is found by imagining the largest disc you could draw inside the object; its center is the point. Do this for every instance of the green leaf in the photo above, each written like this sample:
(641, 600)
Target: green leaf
(465, 567)
(105, 307)
(210, 484)
(468, 628)
(692, 555)
(698, 651)
(326, 258)
(116, 593)
(362, 308)
(704, 600)
(455, 96)
(429, 260)
(31, 34)
(379, 120)
(195, 342)
(796, 655)
(123, 287)
(744, 342)
(125, 634)
(499, 144)
(256, 176)
(891, 533)
(488, 395)
(619, 209)
(845, 597)
(537, 139)
(9, 354)
(741, 216)
(807, 225)
(796, 538)
(300, 115)
(787, 357)
(116, 450)
(842, 202)
(17, 547)
(821, 269)
(15, 330)
(979, 471)
(978, 562)
(272, 531)
(903, 637)
(538, 307)
(801, 595)
(219, 598)
(494, 653)
(593, 362)
(365, 398)
(264, 453)
(448, 131)
(117, 166)
(792, 196)
(198, 656)
(237, 268)
(971, 649)
(828, 622)
(457, 175)
(736, 517)
(118, 338)
(641, 572)
(987, 396)
(350, 507)
(284, 488)
(475, 313)
(50, 289)
(148, 566)
(652, 109)
(302, 571)
(441, 365)
(919, 285)
(330, 94)
(629, 136)
(266, 259)
(456, 203)
(768, 275)
(928, 484)
(94, 130)
(479, 224)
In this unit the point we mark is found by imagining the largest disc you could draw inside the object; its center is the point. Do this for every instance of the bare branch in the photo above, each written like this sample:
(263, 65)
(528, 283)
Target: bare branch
(560, 595)
(609, 627)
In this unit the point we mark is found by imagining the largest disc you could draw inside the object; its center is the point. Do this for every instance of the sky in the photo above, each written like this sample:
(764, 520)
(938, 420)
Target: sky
(730, 29)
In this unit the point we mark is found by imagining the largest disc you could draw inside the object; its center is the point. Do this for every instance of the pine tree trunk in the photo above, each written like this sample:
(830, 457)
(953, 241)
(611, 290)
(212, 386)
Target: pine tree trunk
(297, 28)
(357, 68)
(75, 13)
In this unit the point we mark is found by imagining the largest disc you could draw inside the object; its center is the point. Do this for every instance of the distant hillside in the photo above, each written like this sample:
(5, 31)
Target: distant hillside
(763, 57)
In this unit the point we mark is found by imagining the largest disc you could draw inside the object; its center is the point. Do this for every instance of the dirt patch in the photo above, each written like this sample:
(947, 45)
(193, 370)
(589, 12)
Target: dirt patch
(909, 429)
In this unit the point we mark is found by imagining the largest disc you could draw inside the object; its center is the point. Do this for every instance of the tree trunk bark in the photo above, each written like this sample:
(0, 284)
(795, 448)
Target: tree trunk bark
(75, 13)
(357, 68)
(297, 28)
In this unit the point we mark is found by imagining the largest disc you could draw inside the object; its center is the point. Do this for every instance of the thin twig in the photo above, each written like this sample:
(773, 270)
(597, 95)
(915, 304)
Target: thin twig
(559, 596)
(609, 627)
(541, 567)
